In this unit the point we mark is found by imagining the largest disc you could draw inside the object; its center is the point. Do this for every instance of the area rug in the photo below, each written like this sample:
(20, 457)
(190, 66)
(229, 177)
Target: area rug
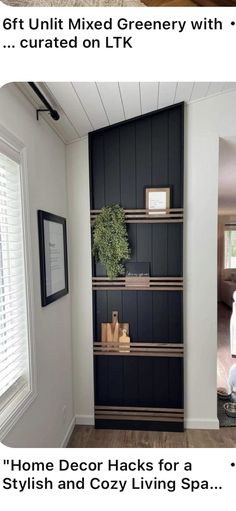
(224, 420)
(74, 3)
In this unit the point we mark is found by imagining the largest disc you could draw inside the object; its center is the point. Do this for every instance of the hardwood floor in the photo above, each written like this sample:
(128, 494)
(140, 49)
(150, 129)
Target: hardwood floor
(88, 436)
(125, 3)
(189, 3)
(169, 3)
(224, 358)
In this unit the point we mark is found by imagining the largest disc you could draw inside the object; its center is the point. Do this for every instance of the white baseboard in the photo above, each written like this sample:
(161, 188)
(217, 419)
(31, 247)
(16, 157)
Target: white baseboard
(201, 424)
(84, 420)
(68, 433)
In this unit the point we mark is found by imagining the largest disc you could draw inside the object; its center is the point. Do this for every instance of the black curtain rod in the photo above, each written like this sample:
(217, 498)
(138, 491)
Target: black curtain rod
(54, 114)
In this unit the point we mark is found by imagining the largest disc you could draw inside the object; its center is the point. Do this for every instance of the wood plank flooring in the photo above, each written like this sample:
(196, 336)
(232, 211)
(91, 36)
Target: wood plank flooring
(125, 3)
(169, 3)
(88, 436)
(189, 3)
(74, 3)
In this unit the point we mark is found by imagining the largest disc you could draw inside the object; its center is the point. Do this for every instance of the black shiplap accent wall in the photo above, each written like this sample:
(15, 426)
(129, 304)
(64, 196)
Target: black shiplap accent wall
(130, 156)
(124, 160)
(152, 315)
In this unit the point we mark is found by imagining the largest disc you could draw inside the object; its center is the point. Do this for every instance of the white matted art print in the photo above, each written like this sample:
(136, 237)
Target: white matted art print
(54, 257)
(157, 201)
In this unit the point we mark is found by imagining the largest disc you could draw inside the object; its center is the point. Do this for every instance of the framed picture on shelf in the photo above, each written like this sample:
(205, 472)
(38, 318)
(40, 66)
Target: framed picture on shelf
(157, 199)
(53, 257)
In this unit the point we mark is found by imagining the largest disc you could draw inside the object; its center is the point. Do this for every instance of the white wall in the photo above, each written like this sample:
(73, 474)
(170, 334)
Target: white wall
(206, 121)
(81, 279)
(43, 425)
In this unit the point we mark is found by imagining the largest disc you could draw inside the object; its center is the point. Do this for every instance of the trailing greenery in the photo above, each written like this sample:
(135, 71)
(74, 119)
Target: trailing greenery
(110, 240)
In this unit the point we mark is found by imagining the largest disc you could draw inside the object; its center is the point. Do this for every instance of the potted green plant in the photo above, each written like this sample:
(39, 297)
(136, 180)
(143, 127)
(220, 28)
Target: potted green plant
(110, 240)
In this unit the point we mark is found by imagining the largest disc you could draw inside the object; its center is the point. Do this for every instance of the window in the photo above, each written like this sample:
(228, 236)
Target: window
(230, 246)
(15, 359)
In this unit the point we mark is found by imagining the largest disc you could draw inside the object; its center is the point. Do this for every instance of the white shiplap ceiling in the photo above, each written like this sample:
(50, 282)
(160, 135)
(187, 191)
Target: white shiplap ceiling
(87, 106)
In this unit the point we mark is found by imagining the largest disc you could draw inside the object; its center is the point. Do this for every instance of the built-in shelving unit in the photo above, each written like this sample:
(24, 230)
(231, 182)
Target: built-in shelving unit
(142, 349)
(134, 216)
(139, 384)
(126, 413)
(152, 284)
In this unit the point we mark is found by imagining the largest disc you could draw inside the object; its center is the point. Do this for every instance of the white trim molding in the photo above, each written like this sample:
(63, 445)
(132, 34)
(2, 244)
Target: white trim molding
(201, 424)
(68, 434)
(84, 420)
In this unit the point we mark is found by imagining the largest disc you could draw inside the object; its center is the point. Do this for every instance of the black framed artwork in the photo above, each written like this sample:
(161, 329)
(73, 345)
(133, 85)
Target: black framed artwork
(53, 257)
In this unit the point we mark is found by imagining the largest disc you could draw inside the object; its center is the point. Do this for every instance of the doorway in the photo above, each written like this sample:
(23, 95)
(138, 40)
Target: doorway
(226, 349)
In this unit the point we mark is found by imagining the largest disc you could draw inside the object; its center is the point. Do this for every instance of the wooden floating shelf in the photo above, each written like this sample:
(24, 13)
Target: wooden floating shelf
(139, 413)
(134, 216)
(153, 284)
(139, 349)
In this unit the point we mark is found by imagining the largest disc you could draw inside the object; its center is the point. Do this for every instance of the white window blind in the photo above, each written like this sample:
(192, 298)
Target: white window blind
(14, 359)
